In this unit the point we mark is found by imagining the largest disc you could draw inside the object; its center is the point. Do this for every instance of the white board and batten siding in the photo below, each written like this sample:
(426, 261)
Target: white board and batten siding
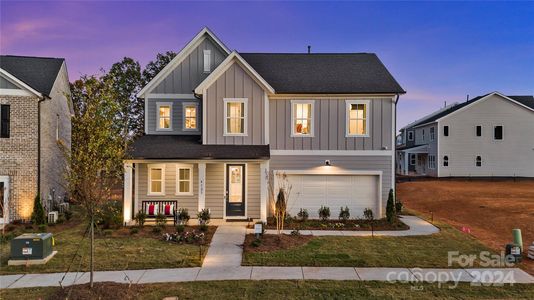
(512, 156)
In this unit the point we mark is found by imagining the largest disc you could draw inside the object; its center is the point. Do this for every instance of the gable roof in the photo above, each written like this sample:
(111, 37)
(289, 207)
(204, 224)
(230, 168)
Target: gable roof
(37, 72)
(334, 73)
(180, 57)
(234, 57)
(527, 101)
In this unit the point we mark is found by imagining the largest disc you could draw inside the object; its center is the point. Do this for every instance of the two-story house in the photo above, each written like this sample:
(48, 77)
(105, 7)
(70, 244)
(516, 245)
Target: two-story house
(218, 122)
(35, 130)
(488, 136)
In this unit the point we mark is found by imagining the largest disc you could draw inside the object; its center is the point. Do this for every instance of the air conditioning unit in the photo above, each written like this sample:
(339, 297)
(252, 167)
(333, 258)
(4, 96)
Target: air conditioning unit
(52, 217)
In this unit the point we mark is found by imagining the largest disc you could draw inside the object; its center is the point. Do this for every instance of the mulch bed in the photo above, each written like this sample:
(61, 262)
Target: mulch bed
(270, 242)
(101, 290)
(353, 225)
(147, 231)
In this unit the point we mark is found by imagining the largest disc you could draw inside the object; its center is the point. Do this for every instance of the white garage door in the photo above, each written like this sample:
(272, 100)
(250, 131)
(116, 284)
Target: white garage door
(335, 191)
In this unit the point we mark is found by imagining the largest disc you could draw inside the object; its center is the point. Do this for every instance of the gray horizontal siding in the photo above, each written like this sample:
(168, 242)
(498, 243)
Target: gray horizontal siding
(235, 83)
(189, 202)
(330, 126)
(215, 189)
(177, 116)
(190, 73)
(353, 163)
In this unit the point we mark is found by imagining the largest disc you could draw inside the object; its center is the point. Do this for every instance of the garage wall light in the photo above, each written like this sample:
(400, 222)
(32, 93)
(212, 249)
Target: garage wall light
(327, 162)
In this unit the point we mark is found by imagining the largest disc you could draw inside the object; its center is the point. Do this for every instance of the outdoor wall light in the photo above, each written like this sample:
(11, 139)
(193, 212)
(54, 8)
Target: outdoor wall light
(327, 162)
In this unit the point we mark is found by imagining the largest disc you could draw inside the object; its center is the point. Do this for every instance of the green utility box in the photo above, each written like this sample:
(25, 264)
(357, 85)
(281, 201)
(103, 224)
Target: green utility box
(31, 246)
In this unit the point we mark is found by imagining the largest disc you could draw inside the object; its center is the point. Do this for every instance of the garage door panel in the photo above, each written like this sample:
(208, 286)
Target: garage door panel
(357, 192)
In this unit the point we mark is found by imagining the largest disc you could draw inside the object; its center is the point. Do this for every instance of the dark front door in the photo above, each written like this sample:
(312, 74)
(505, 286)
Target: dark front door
(235, 190)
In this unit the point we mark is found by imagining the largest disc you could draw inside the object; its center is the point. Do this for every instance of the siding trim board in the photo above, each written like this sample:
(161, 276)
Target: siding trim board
(334, 152)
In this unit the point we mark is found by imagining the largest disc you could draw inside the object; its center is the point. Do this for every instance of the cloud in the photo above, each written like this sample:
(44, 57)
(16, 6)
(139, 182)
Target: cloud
(27, 29)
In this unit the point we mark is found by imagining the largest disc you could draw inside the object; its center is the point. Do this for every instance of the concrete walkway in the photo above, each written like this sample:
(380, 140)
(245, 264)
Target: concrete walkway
(226, 247)
(417, 225)
(512, 275)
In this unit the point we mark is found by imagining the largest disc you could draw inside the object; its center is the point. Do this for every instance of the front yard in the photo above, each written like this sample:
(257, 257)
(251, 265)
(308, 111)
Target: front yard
(286, 289)
(116, 249)
(429, 251)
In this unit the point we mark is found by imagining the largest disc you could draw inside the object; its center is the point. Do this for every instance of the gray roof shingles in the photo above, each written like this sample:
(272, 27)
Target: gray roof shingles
(326, 73)
(38, 72)
(190, 147)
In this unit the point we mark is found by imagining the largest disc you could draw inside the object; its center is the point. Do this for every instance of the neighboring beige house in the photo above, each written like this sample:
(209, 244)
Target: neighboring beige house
(217, 122)
(488, 136)
(35, 115)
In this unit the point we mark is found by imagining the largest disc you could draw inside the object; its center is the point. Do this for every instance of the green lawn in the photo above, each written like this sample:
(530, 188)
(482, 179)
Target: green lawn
(289, 290)
(414, 251)
(141, 251)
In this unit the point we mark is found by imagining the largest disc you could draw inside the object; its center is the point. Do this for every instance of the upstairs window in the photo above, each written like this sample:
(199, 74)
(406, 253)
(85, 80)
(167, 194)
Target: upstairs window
(498, 132)
(478, 161)
(423, 134)
(184, 180)
(235, 111)
(164, 120)
(446, 161)
(357, 118)
(410, 135)
(190, 116)
(432, 133)
(302, 118)
(156, 179)
(478, 130)
(446, 130)
(207, 61)
(5, 116)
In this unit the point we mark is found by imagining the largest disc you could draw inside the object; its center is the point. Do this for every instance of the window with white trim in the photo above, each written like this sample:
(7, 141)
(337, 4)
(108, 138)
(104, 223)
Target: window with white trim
(156, 179)
(498, 132)
(478, 161)
(235, 111)
(190, 116)
(412, 159)
(432, 134)
(446, 161)
(184, 180)
(410, 136)
(164, 117)
(207, 61)
(431, 161)
(302, 118)
(357, 112)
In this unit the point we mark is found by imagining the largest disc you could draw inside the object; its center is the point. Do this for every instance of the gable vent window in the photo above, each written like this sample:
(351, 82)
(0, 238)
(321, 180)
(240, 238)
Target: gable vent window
(207, 61)
(446, 130)
(5, 116)
(479, 130)
(498, 133)
(478, 161)
(446, 161)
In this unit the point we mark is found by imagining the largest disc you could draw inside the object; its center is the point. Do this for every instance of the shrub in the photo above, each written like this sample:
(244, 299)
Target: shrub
(140, 218)
(134, 230)
(203, 227)
(398, 206)
(68, 214)
(180, 228)
(109, 214)
(256, 243)
(324, 213)
(390, 207)
(107, 232)
(368, 214)
(42, 228)
(288, 219)
(344, 214)
(60, 219)
(156, 229)
(204, 216)
(303, 214)
(295, 232)
(161, 220)
(38, 215)
(183, 216)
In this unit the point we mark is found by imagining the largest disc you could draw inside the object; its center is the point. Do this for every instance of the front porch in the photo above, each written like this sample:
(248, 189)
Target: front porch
(413, 161)
(232, 190)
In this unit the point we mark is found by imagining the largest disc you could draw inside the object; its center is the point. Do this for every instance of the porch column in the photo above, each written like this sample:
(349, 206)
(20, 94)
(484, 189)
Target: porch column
(201, 186)
(405, 161)
(127, 206)
(264, 173)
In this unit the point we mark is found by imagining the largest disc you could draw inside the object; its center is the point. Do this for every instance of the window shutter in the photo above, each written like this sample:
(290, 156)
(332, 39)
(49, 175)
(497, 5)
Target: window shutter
(4, 121)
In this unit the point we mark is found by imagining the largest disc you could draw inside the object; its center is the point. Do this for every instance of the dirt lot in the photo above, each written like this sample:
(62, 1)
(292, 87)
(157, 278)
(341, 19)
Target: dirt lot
(491, 209)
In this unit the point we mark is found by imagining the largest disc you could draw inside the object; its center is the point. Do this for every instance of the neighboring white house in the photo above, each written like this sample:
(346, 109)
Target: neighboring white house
(490, 135)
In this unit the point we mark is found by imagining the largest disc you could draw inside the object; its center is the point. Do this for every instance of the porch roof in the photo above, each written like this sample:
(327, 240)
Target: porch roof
(190, 147)
(414, 149)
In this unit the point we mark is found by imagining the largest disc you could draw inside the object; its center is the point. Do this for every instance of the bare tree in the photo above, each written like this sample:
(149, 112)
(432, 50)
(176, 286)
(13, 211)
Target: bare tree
(279, 193)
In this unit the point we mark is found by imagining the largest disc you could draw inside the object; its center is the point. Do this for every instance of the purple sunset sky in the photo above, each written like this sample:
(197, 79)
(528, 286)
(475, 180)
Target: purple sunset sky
(437, 51)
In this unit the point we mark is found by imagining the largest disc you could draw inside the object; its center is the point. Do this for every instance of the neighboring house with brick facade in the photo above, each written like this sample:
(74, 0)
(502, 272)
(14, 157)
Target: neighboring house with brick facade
(35, 115)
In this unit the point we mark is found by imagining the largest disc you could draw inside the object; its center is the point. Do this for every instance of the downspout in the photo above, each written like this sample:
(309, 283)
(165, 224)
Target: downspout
(44, 97)
(395, 150)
